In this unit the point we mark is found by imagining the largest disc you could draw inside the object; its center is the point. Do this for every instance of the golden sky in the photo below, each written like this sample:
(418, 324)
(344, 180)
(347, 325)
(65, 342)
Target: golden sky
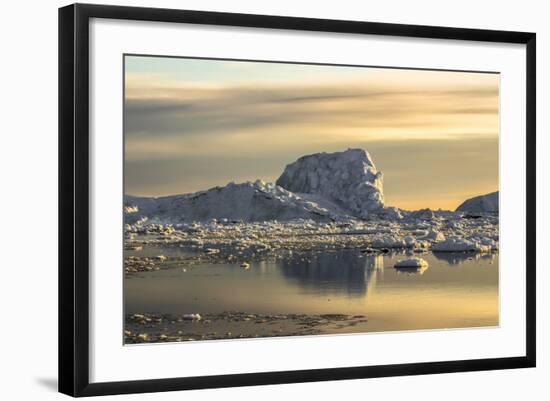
(192, 124)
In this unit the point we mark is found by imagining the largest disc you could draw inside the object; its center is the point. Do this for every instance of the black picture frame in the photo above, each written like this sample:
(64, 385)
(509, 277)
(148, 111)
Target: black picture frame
(74, 201)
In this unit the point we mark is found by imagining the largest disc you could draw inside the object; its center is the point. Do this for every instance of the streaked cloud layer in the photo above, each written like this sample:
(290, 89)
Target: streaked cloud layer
(192, 124)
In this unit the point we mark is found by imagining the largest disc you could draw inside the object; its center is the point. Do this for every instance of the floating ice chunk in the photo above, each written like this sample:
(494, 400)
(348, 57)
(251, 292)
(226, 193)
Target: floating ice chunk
(433, 235)
(191, 316)
(411, 262)
(412, 265)
(128, 209)
(410, 241)
(457, 244)
(388, 241)
(486, 241)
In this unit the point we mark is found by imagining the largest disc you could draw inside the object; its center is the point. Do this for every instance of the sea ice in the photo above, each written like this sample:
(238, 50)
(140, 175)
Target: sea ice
(433, 235)
(458, 244)
(411, 262)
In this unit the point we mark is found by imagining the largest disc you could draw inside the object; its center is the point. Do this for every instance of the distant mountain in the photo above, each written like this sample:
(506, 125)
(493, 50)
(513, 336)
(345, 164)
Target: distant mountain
(482, 203)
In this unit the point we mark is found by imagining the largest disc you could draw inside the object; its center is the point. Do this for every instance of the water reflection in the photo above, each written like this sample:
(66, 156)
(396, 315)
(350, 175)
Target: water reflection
(457, 258)
(353, 274)
(330, 282)
(335, 272)
(411, 270)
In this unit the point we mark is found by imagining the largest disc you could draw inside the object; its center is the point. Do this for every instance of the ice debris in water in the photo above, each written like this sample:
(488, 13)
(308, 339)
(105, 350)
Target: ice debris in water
(238, 242)
(324, 201)
(191, 316)
(433, 235)
(411, 262)
(458, 244)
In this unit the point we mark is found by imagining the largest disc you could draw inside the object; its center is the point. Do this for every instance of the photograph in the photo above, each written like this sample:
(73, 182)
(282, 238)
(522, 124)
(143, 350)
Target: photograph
(278, 199)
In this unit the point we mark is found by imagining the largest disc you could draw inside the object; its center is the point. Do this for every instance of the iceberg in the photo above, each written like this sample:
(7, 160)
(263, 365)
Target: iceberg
(480, 204)
(249, 201)
(349, 179)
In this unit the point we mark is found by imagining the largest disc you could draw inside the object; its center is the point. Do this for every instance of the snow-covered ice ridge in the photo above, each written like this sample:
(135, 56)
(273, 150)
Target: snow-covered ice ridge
(249, 201)
(482, 203)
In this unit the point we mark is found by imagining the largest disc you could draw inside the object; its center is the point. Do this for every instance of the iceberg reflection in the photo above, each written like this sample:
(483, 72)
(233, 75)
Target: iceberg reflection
(334, 272)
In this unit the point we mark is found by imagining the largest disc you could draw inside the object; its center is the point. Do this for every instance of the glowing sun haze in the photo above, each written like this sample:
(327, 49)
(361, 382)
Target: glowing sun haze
(193, 124)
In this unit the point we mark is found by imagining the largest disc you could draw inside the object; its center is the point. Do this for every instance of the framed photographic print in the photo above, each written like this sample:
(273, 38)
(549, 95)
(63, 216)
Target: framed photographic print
(250, 199)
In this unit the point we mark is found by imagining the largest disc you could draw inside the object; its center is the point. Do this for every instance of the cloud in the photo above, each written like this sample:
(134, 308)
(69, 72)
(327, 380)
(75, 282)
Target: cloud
(232, 109)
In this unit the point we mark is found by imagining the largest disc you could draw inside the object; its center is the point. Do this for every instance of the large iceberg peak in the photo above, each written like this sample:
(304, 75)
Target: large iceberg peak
(347, 178)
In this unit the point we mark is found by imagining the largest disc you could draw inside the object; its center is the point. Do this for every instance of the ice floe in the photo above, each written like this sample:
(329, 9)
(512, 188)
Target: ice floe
(458, 244)
(239, 242)
(411, 262)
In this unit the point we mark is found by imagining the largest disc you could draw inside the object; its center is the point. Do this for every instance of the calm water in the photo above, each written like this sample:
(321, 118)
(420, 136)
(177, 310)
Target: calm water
(457, 290)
